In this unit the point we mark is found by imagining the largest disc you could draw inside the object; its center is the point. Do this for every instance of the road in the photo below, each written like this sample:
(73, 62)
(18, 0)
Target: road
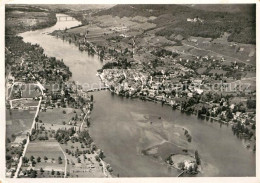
(81, 126)
(27, 142)
(66, 162)
(28, 138)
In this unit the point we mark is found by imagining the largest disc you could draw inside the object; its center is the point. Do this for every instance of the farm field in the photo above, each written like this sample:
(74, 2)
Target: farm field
(18, 121)
(50, 149)
(30, 91)
(56, 115)
(27, 91)
(88, 166)
(90, 30)
(23, 103)
(129, 23)
(220, 46)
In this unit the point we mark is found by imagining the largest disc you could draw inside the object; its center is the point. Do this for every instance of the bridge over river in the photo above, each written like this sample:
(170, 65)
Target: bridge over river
(97, 89)
(65, 18)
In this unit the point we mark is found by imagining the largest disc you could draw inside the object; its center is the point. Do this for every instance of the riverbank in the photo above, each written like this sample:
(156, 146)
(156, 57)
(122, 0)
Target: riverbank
(209, 172)
(212, 111)
(178, 103)
(116, 132)
(147, 83)
(30, 55)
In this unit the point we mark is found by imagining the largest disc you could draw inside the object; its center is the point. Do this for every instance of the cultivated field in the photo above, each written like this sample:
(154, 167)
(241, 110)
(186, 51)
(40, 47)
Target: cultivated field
(57, 116)
(51, 149)
(231, 51)
(24, 103)
(18, 121)
(88, 166)
(27, 90)
(127, 22)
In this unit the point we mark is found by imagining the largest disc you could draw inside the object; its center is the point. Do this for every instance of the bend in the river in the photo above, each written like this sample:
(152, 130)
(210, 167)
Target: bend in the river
(116, 132)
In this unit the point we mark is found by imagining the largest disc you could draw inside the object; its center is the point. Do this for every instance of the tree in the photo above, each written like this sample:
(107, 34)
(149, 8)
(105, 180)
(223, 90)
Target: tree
(39, 159)
(33, 131)
(41, 170)
(52, 172)
(25, 160)
(33, 163)
(181, 165)
(45, 158)
(229, 114)
(8, 140)
(60, 160)
(79, 161)
(190, 169)
(32, 158)
(8, 157)
(33, 174)
(251, 104)
(197, 158)
(37, 118)
(24, 141)
(13, 136)
(195, 168)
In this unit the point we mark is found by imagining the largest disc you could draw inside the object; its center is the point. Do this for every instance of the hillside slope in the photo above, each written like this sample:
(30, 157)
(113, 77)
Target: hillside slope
(238, 20)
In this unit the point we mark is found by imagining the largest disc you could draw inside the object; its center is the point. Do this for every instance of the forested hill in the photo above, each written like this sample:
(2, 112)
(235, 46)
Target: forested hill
(145, 10)
(238, 20)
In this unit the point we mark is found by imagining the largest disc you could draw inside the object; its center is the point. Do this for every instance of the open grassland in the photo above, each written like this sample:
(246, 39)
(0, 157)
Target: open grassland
(50, 149)
(229, 50)
(26, 91)
(90, 30)
(18, 121)
(57, 115)
(24, 103)
(30, 91)
(126, 22)
(87, 167)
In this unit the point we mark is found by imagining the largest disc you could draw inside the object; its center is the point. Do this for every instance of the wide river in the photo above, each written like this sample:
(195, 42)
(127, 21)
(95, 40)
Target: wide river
(116, 132)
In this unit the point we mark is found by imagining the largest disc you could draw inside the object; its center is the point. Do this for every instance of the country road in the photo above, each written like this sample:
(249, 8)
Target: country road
(66, 162)
(27, 142)
(28, 138)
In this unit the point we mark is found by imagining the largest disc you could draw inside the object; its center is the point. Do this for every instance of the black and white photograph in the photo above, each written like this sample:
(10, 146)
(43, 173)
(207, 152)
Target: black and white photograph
(129, 91)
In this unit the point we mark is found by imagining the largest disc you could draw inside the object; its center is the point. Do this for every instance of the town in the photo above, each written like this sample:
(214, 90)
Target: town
(202, 68)
(203, 82)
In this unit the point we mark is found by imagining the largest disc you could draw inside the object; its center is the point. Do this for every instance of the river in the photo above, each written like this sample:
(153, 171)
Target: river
(116, 132)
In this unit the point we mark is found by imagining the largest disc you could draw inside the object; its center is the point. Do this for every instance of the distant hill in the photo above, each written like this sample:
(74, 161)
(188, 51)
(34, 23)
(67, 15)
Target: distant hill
(237, 19)
(231, 8)
(145, 10)
(130, 10)
(76, 7)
